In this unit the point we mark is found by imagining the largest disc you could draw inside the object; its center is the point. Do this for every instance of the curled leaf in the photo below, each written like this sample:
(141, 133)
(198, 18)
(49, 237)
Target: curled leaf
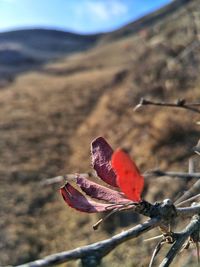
(78, 201)
(101, 157)
(100, 192)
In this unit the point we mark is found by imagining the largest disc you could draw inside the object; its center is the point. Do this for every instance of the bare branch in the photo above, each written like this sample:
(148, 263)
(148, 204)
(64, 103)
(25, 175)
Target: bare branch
(188, 211)
(155, 252)
(187, 50)
(180, 103)
(165, 210)
(189, 194)
(160, 173)
(156, 173)
(64, 178)
(188, 200)
(91, 255)
(180, 240)
(97, 250)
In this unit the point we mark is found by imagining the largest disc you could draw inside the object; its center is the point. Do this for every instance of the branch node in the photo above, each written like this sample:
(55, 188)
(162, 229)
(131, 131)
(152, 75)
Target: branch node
(91, 261)
(181, 102)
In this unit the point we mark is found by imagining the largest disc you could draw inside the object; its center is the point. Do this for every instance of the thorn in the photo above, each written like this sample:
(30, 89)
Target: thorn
(196, 148)
(137, 107)
(153, 238)
(96, 225)
(198, 256)
(180, 102)
(155, 252)
(191, 165)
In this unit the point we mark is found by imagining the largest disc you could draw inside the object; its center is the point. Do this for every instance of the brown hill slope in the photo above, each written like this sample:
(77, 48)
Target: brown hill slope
(48, 118)
(146, 21)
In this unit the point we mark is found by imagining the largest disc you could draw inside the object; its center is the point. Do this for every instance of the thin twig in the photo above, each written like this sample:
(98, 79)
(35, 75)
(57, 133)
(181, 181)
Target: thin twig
(197, 247)
(191, 192)
(153, 238)
(64, 178)
(187, 50)
(188, 200)
(156, 173)
(97, 250)
(182, 237)
(96, 225)
(160, 173)
(188, 211)
(155, 252)
(180, 103)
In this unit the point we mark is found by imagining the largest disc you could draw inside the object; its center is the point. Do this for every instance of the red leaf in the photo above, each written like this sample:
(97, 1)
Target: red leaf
(101, 156)
(129, 179)
(79, 202)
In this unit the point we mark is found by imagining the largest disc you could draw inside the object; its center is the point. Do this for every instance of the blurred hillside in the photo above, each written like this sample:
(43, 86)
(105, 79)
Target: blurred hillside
(52, 109)
(25, 50)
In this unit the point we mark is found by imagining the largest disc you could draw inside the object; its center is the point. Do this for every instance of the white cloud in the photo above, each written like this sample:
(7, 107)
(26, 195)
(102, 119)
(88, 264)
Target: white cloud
(98, 10)
(103, 9)
(118, 8)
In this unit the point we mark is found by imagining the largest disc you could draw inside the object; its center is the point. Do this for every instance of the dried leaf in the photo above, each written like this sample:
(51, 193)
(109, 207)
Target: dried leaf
(101, 192)
(101, 157)
(79, 202)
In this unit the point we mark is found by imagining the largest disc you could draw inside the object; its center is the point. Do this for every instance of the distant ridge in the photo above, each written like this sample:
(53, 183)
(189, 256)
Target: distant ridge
(54, 41)
(25, 49)
(28, 48)
(133, 27)
(145, 21)
(47, 32)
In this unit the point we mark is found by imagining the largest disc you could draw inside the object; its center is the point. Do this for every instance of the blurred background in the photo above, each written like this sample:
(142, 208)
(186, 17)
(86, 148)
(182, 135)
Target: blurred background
(74, 70)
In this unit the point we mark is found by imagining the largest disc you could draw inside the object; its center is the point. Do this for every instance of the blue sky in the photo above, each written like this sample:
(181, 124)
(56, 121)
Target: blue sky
(83, 16)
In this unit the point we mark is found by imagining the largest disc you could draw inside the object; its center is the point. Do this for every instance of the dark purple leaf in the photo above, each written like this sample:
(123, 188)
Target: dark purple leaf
(100, 192)
(101, 157)
(79, 202)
